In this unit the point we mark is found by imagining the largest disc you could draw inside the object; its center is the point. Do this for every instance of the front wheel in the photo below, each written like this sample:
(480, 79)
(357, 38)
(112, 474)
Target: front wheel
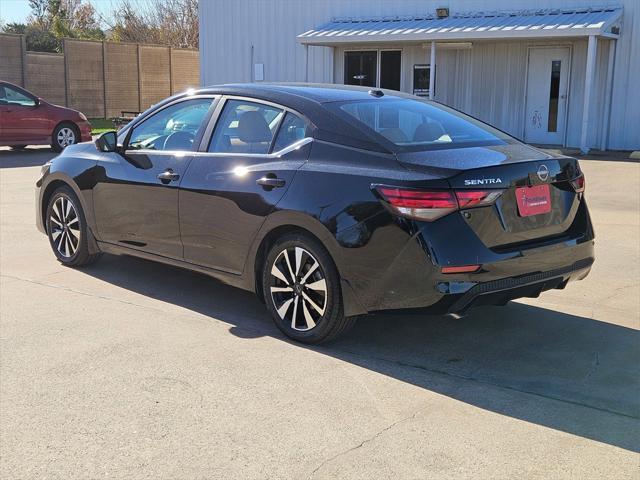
(67, 229)
(301, 289)
(64, 135)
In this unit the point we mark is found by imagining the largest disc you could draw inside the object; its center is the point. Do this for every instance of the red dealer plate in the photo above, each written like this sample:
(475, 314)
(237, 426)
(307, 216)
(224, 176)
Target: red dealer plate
(533, 200)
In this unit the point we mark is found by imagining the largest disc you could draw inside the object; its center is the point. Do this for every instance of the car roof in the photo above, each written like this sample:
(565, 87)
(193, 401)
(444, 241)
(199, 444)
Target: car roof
(308, 99)
(317, 92)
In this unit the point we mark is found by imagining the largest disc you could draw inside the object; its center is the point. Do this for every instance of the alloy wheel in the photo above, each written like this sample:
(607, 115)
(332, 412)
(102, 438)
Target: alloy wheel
(66, 136)
(64, 224)
(298, 288)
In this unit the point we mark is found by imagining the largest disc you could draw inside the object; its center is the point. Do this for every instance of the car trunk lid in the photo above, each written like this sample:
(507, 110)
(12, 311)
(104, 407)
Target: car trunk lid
(537, 202)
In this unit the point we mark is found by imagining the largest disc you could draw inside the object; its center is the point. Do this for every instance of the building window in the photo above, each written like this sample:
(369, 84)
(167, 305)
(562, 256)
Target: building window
(554, 93)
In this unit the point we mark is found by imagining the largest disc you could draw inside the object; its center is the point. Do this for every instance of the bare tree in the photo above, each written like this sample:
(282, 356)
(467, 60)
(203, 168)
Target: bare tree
(165, 22)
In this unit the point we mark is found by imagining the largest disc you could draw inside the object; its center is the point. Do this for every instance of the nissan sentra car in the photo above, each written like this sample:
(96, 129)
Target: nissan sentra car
(328, 202)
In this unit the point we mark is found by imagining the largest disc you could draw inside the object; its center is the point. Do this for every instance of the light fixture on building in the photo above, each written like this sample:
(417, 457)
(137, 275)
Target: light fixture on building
(442, 12)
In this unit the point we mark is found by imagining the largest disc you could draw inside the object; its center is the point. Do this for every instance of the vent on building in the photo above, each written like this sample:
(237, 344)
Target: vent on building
(442, 12)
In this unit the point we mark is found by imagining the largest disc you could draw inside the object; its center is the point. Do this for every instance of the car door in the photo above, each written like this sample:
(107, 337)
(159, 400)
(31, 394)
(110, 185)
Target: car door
(238, 178)
(20, 121)
(136, 197)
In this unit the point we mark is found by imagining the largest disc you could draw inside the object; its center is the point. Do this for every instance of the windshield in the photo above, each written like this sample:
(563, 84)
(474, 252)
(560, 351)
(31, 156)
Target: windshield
(414, 125)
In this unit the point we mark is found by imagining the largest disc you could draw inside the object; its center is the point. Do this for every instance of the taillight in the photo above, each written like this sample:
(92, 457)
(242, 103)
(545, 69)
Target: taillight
(476, 198)
(578, 183)
(430, 205)
(419, 204)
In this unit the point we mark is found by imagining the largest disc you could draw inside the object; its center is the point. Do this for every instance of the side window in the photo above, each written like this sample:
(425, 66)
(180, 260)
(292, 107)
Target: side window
(172, 128)
(11, 96)
(245, 127)
(293, 129)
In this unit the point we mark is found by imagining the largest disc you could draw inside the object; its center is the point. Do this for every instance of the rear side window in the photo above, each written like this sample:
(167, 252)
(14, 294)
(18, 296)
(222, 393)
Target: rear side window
(414, 125)
(245, 127)
(293, 129)
(172, 128)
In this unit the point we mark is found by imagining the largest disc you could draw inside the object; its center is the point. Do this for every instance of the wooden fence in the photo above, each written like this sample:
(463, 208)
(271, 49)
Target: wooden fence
(101, 79)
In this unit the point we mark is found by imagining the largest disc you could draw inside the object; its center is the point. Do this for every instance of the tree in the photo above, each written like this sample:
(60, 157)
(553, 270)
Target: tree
(52, 20)
(165, 22)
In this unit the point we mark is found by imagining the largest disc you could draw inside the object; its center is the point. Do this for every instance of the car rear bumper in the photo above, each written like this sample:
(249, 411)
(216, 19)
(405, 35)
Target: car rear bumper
(414, 280)
(499, 292)
(85, 132)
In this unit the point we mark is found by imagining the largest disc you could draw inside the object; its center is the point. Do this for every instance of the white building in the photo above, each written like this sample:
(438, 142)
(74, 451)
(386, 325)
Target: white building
(556, 72)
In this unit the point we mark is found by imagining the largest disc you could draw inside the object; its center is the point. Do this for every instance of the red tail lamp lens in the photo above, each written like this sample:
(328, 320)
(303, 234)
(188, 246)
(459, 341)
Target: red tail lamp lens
(476, 198)
(419, 204)
(430, 205)
(578, 183)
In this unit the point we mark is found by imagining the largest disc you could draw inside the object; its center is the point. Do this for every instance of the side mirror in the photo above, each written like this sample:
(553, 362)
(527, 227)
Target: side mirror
(107, 142)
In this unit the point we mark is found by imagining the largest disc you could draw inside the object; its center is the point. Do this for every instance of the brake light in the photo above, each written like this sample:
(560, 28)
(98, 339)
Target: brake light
(420, 204)
(578, 183)
(429, 205)
(476, 198)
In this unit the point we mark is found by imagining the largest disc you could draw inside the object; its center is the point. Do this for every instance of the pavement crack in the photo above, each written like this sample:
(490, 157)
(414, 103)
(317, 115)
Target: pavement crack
(362, 443)
(79, 292)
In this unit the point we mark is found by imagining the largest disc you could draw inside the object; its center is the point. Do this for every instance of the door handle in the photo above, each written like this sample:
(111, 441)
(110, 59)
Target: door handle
(270, 181)
(168, 176)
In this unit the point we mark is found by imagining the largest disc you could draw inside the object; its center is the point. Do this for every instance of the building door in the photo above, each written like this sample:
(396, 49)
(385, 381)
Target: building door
(547, 89)
(361, 68)
(390, 69)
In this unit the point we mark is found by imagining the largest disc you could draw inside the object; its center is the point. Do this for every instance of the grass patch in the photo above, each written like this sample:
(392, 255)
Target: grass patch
(100, 125)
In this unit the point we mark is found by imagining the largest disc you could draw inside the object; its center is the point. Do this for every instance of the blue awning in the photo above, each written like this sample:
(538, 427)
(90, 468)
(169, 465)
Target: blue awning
(468, 26)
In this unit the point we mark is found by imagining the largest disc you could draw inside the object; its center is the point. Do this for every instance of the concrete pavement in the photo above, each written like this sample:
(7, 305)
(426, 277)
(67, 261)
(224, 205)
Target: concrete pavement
(130, 369)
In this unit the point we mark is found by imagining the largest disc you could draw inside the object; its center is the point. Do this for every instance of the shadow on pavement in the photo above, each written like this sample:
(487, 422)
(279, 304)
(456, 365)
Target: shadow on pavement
(590, 366)
(30, 157)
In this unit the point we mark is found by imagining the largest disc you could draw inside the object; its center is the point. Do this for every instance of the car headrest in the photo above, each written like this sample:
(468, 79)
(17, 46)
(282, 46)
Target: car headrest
(428, 132)
(253, 128)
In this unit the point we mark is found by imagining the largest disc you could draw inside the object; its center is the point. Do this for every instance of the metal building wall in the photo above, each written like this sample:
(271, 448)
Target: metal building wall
(487, 81)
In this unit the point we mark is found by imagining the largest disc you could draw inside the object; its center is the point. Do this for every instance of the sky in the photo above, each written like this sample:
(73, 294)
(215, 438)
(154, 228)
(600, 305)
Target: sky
(18, 10)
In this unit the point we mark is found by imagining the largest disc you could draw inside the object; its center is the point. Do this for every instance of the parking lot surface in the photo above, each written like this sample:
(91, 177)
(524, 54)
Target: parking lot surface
(131, 369)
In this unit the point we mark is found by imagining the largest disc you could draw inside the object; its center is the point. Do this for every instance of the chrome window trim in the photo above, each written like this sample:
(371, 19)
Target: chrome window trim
(183, 153)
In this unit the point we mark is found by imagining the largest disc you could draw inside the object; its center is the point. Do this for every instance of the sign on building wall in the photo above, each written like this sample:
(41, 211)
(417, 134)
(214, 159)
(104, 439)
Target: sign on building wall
(421, 75)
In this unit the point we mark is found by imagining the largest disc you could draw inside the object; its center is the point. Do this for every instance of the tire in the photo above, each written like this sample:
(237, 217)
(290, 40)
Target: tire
(67, 229)
(18, 147)
(313, 294)
(64, 135)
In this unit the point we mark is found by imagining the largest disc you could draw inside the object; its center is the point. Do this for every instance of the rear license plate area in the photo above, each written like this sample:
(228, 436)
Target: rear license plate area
(533, 200)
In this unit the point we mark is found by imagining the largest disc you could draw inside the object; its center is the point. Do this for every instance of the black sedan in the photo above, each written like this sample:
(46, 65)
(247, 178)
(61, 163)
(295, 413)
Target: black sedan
(328, 202)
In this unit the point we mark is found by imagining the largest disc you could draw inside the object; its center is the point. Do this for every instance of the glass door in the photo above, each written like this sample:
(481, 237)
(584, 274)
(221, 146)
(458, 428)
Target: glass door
(361, 68)
(390, 69)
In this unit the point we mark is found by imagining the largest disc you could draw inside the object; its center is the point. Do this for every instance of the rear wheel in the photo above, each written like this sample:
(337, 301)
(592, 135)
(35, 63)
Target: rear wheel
(67, 229)
(301, 289)
(64, 135)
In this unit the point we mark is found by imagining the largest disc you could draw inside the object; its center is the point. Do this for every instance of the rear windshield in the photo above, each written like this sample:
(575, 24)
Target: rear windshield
(415, 125)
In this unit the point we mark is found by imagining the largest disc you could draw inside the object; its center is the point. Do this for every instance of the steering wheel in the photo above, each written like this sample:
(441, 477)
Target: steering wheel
(179, 141)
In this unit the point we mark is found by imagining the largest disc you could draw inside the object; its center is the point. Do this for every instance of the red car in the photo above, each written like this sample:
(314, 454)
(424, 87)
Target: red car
(26, 119)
